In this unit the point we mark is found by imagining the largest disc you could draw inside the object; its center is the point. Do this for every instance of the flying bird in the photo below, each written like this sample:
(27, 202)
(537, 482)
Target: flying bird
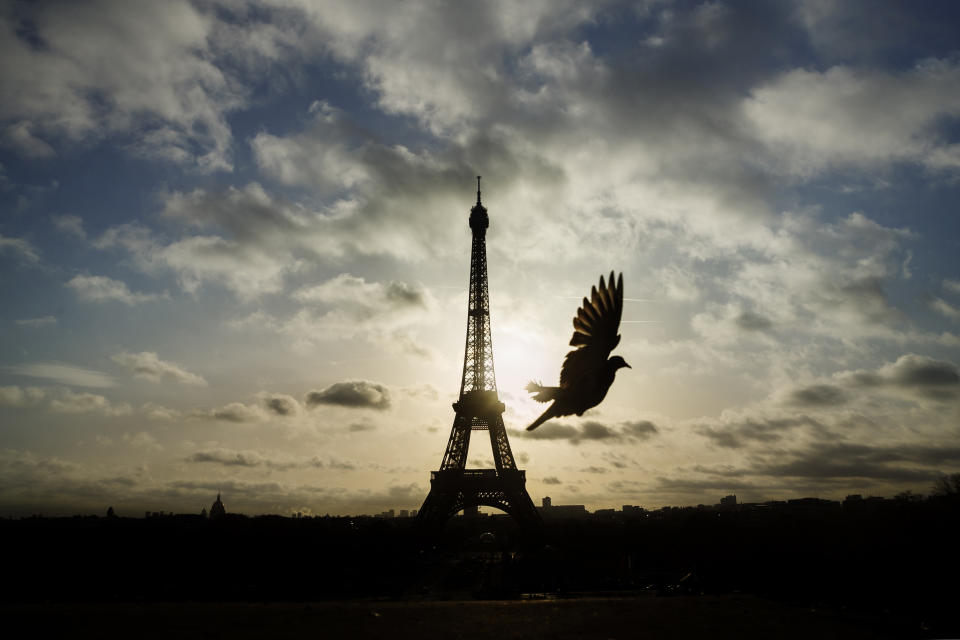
(587, 372)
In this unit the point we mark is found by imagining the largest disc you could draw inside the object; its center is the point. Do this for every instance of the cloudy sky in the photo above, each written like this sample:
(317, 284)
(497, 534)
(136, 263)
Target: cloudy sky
(234, 247)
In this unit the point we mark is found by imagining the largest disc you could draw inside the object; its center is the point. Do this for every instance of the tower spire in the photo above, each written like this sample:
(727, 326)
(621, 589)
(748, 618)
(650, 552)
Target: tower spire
(478, 189)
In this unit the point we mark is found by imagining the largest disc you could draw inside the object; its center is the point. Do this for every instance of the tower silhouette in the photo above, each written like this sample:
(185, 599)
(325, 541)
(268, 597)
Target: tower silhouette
(454, 487)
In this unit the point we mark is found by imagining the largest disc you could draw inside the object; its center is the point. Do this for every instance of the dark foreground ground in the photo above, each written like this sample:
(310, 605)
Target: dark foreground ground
(714, 617)
(814, 571)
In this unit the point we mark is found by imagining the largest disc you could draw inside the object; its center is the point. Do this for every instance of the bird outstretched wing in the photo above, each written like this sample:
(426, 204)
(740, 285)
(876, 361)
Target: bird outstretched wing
(595, 332)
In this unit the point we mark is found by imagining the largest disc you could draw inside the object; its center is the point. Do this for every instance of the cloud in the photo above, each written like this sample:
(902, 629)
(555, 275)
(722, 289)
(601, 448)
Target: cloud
(164, 91)
(67, 374)
(142, 440)
(911, 373)
(227, 458)
(158, 412)
(18, 136)
(276, 462)
(250, 266)
(736, 432)
(70, 225)
(13, 396)
(812, 120)
(352, 393)
(818, 395)
(232, 412)
(594, 470)
(750, 321)
(589, 430)
(913, 370)
(552, 480)
(361, 426)
(149, 366)
(102, 288)
(945, 309)
(42, 321)
(71, 402)
(20, 249)
(642, 429)
(280, 404)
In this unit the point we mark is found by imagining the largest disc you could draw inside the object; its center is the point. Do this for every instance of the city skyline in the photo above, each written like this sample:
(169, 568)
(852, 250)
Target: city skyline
(234, 248)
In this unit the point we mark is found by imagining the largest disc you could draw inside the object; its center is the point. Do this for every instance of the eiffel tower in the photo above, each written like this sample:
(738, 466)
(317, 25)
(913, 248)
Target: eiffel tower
(454, 487)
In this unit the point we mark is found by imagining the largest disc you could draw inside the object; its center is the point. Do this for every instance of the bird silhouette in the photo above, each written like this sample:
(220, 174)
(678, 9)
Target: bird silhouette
(587, 373)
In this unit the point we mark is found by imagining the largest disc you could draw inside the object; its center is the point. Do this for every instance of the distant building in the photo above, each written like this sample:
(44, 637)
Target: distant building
(728, 501)
(404, 513)
(551, 511)
(217, 510)
(203, 512)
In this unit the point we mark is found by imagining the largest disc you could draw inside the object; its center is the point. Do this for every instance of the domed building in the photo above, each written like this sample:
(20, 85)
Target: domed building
(217, 510)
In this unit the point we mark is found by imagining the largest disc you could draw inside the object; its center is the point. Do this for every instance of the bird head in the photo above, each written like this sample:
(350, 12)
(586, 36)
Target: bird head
(616, 362)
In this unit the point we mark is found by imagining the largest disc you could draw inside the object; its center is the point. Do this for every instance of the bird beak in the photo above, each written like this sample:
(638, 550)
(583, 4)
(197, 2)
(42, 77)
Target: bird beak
(627, 366)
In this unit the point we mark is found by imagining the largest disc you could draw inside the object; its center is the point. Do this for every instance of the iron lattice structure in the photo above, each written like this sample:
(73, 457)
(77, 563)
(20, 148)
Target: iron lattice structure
(454, 487)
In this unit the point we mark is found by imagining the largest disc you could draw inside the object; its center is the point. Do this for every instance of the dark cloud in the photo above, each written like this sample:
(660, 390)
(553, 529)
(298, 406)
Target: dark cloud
(550, 431)
(280, 404)
(352, 393)
(403, 294)
(818, 395)
(832, 461)
(914, 373)
(250, 459)
(595, 470)
(734, 435)
(692, 485)
(828, 462)
(552, 480)
(642, 429)
(590, 430)
(234, 459)
(919, 371)
(361, 426)
(750, 321)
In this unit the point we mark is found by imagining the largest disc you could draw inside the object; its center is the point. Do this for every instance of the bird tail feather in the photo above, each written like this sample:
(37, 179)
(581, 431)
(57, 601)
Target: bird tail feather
(542, 393)
(546, 415)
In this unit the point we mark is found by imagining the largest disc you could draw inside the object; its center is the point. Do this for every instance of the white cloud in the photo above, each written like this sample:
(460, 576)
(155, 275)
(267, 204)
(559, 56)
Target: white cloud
(42, 321)
(62, 373)
(20, 249)
(18, 135)
(117, 67)
(102, 289)
(812, 120)
(14, 396)
(71, 225)
(232, 412)
(142, 440)
(148, 365)
(159, 412)
(945, 308)
(72, 402)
